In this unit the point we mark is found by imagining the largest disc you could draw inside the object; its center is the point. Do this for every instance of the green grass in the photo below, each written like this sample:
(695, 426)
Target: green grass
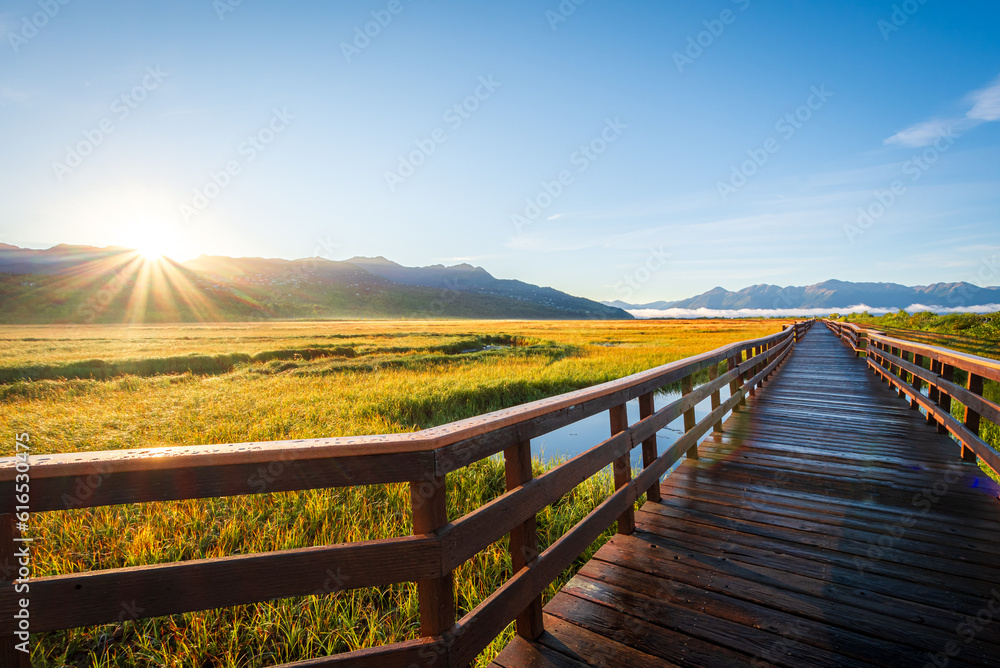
(118, 387)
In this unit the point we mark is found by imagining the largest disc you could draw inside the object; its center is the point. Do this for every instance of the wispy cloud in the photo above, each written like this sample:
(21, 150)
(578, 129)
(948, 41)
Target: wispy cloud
(985, 109)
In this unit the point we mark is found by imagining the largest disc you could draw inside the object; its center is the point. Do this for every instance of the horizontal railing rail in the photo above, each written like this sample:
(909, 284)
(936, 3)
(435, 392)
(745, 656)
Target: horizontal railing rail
(911, 367)
(422, 459)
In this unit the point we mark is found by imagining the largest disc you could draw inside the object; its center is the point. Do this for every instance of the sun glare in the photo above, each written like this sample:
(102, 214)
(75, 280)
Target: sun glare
(154, 242)
(150, 253)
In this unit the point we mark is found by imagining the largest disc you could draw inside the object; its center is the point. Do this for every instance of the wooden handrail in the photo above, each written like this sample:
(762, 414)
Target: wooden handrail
(429, 557)
(901, 363)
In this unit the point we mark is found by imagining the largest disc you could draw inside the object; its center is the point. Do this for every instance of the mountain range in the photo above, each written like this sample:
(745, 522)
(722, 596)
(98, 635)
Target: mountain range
(82, 284)
(833, 295)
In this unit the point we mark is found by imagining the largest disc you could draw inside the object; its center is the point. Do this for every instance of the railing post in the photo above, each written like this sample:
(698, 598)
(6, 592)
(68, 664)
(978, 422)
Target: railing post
(743, 378)
(713, 375)
(523, 538)
(689, 421)
(932, 390)
(944, 399)
(9, 654)
(898, 352)
(971, 421)
(751, 373)
(437, 595)
(649, 451)
(917, 384)
(734, 385)
(622, 468)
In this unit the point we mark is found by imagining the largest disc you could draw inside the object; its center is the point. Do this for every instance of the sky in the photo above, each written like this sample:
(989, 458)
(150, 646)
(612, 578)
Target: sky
(638, 151)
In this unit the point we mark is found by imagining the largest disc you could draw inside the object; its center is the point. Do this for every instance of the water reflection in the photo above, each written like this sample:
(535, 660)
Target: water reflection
(580, 436)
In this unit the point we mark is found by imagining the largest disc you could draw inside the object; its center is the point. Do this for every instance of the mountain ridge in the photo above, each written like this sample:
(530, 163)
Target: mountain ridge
(73, 284)
(832, 294)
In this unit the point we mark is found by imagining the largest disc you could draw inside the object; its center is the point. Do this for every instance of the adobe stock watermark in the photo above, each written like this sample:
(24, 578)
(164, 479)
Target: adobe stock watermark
(582, 158)
(22, 584)
(364, 34)
(986, 273)
(967, 630)
(786, 127)
(884, 199)
(562, 12)
(30, 25)
(454, 116)
(633, 281)
(98, 302)
(899, 17)
(924, 501)
(248, 150)
(696, 44)
(121, 108)
(223, 7)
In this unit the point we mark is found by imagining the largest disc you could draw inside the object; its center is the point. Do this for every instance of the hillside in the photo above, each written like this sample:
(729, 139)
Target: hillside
(82, 284)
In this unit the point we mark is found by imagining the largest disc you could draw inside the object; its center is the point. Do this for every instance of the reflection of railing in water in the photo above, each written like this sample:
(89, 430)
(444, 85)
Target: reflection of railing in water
(437, 546)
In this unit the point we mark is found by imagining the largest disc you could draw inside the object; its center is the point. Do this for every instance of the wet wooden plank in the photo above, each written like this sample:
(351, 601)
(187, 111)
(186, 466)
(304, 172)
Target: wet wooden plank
(827, 519)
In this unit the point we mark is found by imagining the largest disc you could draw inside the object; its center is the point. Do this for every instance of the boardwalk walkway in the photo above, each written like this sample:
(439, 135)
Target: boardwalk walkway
(828, 525)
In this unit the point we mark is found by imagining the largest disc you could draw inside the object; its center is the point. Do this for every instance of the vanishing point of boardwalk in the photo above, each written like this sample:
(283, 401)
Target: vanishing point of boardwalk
(829, 525)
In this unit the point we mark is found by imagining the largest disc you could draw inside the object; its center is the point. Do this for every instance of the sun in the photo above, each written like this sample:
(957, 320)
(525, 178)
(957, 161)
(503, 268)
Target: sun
(153, 242)
(150, 253)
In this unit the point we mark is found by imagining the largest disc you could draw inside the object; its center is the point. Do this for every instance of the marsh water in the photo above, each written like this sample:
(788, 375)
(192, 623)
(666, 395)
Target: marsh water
(578, 437)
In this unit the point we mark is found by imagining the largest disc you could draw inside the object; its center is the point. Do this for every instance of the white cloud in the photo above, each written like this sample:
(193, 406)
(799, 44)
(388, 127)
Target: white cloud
(987, 103)
(643, 314)
(985, 109)
(924, 134)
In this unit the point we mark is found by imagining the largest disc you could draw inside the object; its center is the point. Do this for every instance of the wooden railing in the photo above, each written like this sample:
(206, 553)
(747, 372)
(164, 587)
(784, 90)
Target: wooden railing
(911, 366)
(422, 459)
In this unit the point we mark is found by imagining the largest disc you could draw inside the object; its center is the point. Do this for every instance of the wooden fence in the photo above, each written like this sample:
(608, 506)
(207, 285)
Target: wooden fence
(422, 459)
(911, 367)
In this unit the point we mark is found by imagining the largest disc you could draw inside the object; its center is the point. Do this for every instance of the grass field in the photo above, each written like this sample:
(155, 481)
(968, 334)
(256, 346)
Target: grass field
(107, 387)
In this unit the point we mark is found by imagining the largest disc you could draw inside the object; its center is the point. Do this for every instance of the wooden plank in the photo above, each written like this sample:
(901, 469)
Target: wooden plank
(728, 623)
(634, 632)
(406, 654)
(522, 654)
(95, 597)
(113, 482)
(702, 580)
(597, 650)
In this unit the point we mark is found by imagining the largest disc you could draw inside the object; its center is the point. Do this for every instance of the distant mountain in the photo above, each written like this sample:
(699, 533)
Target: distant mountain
(833, 295)
(81, 284)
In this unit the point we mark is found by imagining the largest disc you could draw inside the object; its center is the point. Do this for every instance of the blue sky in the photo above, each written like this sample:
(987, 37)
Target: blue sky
(636, 151)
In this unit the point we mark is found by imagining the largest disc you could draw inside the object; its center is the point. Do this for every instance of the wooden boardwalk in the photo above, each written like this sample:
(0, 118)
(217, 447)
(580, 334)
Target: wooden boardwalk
(829, 525)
